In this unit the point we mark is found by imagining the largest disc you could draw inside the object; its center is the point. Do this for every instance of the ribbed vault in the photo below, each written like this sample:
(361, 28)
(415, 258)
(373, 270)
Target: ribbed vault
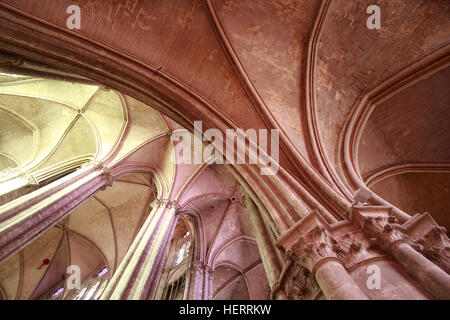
(356, 108)
(50, 125)
(97, 233)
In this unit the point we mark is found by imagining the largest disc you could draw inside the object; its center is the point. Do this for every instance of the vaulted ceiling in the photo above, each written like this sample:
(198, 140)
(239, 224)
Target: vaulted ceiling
(411, 126)
(297, 65)
(98, 233)
(119, 131)
(403, 152)
(227, 240)
(302, 66)
(52, 122)
(352, 60)
(49, 123)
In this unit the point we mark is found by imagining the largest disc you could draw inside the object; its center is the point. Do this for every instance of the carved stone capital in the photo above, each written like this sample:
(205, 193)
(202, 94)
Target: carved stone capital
(296, 287)
(197, 266)
(296, 283)
(435, 245)
(312, 247)
(380, 226)
(352, 247)
(313, 240)
(107, 173)
(429, 239)
(31, 180)
(309, 241)
(160, 203)
(299, 283)
(10, 173)
(174, 205)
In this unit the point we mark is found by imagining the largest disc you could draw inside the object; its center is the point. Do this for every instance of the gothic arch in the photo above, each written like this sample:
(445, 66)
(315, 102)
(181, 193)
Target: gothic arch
(351, 136)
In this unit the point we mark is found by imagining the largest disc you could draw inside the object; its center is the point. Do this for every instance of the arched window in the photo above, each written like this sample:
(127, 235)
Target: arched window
(93, 287)
(102, 272)
(91, 291)
(182, 252)
(57, 293)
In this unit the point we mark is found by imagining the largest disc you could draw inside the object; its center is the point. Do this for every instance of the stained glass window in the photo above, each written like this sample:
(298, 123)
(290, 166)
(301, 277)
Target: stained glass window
(92, 287)
(57, 293)
(181, 253)
(91, 291)
(102, 272)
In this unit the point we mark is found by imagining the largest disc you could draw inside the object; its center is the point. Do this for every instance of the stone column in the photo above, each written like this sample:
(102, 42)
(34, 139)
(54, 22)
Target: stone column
(14, 183)
(205, 282)
(435, 246)
(310, 243)
(266, 247)
(196, 279)
(432, 278)
(208, 279)
(163, 253)
(389, 237)
(25, 218)
(201, 281)
(211, 275)
(138, 274)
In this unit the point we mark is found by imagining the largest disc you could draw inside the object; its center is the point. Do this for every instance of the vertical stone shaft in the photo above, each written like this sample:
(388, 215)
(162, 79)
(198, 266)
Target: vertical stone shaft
(25, 218)
(336, 283)
(311, 243)
(211, 276)
(266, 248)
(196, 281)
(383, 227)
(137, 275)
(430, 276)
(205, 282)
